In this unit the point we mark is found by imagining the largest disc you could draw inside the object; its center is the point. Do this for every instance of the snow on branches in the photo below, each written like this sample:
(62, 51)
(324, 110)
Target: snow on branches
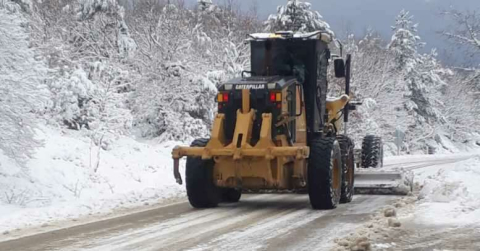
(88, 8)
(296, 15)
(74, 99)
(405, 41)
(466, 30)
(16, 5)
(109, 25)
(87, 44)
(182, 55)
(422, 82)
(204, 5)
(21, 75)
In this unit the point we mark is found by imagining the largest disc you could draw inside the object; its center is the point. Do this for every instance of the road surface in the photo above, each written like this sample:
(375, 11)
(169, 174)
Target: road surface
(257, 222)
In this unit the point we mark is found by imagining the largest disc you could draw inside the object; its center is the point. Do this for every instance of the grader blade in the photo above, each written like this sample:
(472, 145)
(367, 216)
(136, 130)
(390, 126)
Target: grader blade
(383, 182)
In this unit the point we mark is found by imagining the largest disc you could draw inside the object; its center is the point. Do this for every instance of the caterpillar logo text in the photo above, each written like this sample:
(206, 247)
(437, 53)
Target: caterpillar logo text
(250, 87)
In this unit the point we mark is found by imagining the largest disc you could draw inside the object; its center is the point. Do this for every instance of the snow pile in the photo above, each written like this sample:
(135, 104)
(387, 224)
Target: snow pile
(379, 227)
(450, 194)
(71, 176)
(447, 193)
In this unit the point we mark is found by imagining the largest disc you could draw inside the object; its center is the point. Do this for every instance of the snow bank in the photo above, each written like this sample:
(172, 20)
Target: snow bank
(72, 177)
(450, 194)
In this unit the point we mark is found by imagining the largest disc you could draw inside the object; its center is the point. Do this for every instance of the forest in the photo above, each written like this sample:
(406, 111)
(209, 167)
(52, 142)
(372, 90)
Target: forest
(151, 67)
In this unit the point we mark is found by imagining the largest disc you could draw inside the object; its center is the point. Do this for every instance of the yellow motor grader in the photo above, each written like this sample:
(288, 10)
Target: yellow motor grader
(276, 129)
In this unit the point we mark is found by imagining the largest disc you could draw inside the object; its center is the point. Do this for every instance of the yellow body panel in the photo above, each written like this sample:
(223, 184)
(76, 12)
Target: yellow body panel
(270, 163)
(334, 107)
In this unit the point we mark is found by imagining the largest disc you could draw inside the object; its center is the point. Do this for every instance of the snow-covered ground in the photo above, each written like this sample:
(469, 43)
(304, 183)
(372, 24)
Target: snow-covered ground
(446, 200)
(449, 194)
(446, 185)
(72, 177)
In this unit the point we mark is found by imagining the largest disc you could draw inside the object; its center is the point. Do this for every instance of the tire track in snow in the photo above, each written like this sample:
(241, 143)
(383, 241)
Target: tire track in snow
(256, 235)
(302, 229)
(320, 234)
(257, 222)
(186, 228)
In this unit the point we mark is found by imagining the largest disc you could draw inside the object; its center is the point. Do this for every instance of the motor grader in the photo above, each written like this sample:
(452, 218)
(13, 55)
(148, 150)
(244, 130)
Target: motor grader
(276, 129)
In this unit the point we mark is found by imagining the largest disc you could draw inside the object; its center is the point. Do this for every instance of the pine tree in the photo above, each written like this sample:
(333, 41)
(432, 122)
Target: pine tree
(296, 16)
(405, 41)
(204, 5)
(422, 82)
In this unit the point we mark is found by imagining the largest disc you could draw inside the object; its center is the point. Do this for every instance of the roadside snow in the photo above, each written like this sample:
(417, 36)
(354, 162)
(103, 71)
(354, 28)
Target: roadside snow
(72, 177)
(449, 194)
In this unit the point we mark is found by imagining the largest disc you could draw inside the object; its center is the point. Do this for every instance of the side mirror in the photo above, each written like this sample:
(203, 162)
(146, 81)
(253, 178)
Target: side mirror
(339, 65)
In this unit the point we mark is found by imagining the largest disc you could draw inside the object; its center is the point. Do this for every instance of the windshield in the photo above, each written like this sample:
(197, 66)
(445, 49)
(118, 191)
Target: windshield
(282, 57)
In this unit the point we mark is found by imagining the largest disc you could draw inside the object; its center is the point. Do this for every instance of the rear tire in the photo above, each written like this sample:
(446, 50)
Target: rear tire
(372, 152)
(347, 147)
(231, 195)
(324, 173)
(201, 190)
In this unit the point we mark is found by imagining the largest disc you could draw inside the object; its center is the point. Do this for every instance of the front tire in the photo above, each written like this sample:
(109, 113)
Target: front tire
(324, 173)
(347, 147)
(201, 190)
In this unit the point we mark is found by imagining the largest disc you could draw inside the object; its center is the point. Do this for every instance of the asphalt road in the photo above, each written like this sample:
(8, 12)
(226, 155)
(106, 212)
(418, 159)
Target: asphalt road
(258, 222)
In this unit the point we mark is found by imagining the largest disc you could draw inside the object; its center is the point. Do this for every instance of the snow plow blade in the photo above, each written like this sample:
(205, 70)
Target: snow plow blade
(383, 182)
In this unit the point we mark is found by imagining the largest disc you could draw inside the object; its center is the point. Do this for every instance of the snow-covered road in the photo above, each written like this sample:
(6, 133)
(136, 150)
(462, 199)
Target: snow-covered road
(266, 222)
(258, 222)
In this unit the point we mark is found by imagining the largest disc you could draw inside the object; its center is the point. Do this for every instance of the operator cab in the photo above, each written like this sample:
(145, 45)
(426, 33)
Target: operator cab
(287, 71)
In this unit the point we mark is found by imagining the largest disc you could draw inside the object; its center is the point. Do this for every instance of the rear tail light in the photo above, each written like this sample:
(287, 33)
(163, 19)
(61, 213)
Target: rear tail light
(273, 97)
(223, 97)
(276, 99)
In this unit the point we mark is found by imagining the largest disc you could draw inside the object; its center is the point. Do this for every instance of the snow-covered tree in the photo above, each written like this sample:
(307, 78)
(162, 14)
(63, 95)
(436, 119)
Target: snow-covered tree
(87, 44)
(466, 30)
(16, 5)
(296, 15)
(463, 94)
(422, 82)
(74, 97)
(21, 76)
(105, 21)
(461, 104)
(204, 5)
(405, 41)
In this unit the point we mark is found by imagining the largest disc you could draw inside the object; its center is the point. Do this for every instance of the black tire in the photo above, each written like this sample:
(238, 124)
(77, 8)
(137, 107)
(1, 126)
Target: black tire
(324, 173)
(201, 190)
(231, 195)
(372, 152)
(347, 147)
